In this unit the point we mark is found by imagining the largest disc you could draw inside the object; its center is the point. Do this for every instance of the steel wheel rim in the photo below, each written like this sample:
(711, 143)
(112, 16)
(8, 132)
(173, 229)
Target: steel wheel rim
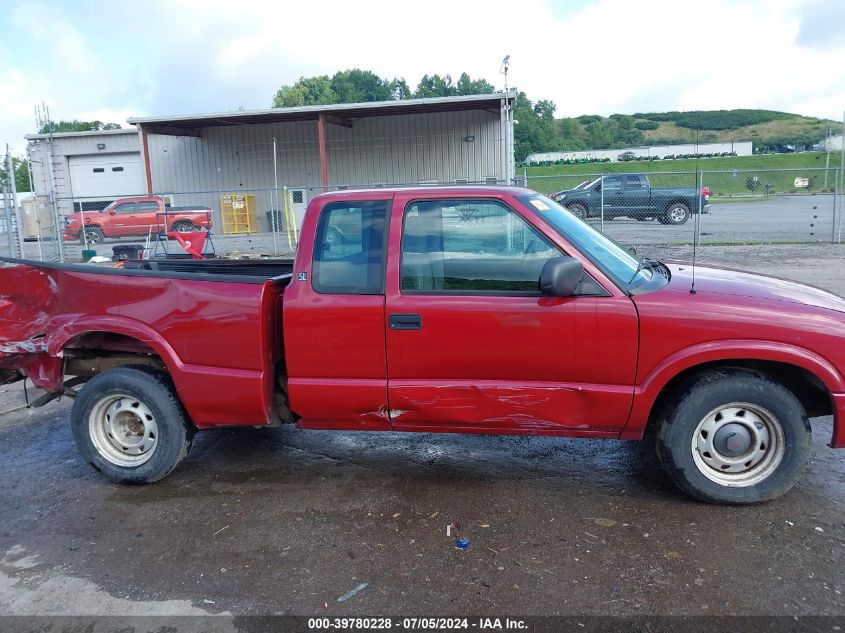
(92, 237)
(184, 228)
(578, 211)
(748, 467)
(678, 214)
(123, 429)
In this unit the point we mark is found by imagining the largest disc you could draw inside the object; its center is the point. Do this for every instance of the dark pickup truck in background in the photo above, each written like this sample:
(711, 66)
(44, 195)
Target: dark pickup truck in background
(631, 195)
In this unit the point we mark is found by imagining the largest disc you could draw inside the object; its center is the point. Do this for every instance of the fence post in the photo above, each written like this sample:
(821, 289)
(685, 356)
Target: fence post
(833, 218)
(601, 189)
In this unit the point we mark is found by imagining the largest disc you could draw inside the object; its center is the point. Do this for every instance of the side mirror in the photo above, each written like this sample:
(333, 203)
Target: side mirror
(561, 276)
(112, 211)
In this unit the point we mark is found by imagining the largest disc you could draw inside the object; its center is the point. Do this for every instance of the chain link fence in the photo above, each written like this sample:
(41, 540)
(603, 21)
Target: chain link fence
(260, 222)
(673, 208)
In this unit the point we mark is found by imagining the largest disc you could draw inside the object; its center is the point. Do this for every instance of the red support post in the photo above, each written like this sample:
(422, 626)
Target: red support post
(147, 169)
(321, 139)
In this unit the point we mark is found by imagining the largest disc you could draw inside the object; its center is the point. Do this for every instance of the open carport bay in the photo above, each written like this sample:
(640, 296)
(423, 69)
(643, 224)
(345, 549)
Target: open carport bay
(283, 521)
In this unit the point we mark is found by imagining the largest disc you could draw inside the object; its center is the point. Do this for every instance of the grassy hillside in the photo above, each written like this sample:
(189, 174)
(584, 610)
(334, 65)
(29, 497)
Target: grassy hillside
(767, 129)
(801, 160)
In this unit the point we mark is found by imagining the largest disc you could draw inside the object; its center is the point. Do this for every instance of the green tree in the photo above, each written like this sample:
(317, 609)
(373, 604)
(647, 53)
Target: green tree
(21, 169)
(435, 86)
(536, 130)
(468, 86)
(400, 90)
(597, 136)
(76, 126)
(356, 86)
(306, 91)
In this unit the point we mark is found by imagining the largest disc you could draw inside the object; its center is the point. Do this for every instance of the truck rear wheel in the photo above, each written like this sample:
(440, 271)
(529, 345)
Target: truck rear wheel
(578, 210)
(735, 438)
(677, 213)
(128, 424)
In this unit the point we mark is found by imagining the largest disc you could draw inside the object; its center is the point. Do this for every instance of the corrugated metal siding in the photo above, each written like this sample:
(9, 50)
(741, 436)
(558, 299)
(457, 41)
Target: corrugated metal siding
(414, 148)
(395, 149)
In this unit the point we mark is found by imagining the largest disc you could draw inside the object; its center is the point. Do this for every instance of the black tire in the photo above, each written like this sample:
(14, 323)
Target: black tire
(94, 235)
(677, 213)
(578, 209)
(122, 394)
(762, 402)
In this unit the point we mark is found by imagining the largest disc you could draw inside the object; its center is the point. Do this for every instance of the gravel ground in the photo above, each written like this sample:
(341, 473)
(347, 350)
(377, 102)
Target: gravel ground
(286, 522)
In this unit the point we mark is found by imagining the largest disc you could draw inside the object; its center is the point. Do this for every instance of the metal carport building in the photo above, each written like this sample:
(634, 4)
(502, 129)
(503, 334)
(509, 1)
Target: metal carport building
(198, 158)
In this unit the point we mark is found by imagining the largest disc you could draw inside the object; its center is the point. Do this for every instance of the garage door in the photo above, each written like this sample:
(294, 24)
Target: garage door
(106, 176)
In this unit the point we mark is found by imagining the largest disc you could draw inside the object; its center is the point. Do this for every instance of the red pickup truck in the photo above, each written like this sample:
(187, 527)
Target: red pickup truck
(463, 309)
(134, 217)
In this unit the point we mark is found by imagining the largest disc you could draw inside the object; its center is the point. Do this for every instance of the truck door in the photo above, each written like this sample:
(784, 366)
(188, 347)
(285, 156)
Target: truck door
(122, 220)
(637, 194)
(614, 203)
(471, 343)
(147, 218)
(333, 317)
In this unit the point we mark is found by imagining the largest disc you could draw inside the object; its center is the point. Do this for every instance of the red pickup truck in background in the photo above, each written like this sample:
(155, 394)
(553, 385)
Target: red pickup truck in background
(135, 217)
(397, 314)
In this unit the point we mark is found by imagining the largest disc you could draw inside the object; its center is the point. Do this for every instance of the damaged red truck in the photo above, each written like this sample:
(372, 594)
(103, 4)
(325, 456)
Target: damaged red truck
(460, 309)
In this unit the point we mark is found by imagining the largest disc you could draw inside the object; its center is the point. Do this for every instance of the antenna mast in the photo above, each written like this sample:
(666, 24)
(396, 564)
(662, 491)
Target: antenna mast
(697, 236)
(504, 70)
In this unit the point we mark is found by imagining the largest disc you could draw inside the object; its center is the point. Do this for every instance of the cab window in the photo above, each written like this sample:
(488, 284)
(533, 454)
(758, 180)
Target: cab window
(349, 248)
(470, 246)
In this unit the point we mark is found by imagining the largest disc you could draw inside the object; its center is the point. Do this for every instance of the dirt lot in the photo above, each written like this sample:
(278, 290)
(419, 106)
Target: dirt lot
(284, 521)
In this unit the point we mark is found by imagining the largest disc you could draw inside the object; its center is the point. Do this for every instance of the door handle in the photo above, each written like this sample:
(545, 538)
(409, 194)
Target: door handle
(405, 322)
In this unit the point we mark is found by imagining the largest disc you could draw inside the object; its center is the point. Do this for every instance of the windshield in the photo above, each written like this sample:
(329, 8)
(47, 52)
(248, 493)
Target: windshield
(614, 260)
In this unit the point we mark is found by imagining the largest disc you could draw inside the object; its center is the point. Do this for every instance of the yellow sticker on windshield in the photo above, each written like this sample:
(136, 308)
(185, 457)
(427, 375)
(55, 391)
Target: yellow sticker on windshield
(539, 204)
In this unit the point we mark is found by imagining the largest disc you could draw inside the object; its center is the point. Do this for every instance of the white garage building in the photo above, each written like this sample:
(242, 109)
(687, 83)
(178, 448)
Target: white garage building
(87, 169)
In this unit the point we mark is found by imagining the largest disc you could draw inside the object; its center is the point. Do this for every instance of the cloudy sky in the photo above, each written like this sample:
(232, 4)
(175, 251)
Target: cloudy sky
(111, 59)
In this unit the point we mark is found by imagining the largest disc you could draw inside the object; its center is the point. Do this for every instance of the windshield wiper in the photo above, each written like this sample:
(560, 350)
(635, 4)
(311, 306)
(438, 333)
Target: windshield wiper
(645, 262)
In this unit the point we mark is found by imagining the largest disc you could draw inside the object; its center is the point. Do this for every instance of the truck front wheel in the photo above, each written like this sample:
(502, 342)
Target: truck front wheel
(128, 424)
(92, 234)
(735, 438)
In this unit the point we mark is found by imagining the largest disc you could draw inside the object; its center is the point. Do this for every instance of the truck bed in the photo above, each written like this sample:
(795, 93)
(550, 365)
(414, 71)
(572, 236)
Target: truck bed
(253, 269)
(59, 320)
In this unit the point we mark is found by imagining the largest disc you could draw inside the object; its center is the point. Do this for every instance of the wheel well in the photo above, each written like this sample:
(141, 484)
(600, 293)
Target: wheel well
(91, 353)
(806, 386)
(675, 201)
